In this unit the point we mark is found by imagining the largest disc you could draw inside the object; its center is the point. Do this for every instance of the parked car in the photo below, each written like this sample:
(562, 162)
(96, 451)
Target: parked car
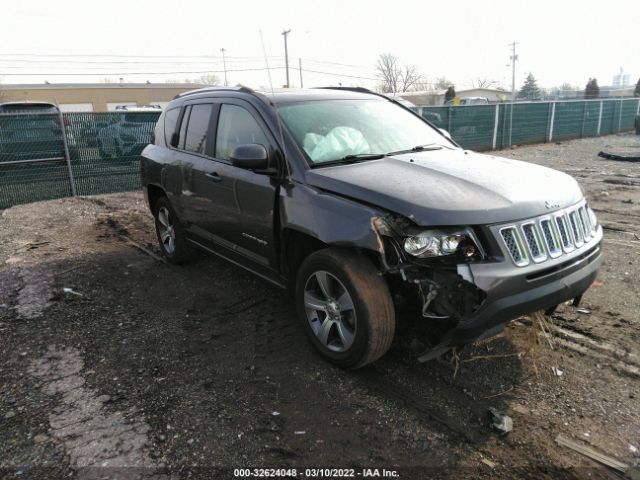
(126, 133)
(30, 131)
(351, 201)
(142, 108)
(470, 101)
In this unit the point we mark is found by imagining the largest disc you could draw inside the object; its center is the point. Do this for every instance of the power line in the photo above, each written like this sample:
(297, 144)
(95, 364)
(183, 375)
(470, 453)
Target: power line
(72, 74)
(333, 74)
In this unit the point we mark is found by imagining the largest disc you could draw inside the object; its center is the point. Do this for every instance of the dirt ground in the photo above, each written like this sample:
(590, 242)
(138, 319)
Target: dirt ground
(116, 365)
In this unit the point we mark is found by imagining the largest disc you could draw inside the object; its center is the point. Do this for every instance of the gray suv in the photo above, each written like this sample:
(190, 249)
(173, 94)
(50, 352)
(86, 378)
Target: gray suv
(354, 203)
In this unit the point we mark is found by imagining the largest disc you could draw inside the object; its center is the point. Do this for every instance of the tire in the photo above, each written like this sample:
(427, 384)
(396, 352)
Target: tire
(348, 331)
(171, 237)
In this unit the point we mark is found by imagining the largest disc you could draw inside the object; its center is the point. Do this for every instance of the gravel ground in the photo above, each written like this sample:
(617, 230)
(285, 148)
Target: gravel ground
(144, 370)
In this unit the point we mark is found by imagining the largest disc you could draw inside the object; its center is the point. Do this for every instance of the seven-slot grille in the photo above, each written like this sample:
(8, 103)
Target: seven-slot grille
(549, 236)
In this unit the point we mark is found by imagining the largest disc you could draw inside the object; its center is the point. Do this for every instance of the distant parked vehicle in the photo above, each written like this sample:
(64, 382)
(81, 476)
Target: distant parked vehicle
(134, 108)
(470, 101)
(30, 131)
(126, 134)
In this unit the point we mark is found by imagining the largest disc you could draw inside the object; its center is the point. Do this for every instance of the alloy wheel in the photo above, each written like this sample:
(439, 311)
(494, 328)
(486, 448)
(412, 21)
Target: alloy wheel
(330, 311)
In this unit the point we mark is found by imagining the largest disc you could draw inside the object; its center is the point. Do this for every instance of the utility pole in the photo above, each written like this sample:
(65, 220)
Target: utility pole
(513, 58)
(300, 69)
(224, 64)
(286, 54)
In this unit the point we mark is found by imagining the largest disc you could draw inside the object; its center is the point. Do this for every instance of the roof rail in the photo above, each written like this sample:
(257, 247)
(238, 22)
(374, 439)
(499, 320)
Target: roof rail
(366, 90)
(350, 89)
(239, 88)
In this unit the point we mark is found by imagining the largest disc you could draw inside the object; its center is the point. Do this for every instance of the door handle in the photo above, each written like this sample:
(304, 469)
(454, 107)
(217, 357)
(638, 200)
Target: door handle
(214, 176)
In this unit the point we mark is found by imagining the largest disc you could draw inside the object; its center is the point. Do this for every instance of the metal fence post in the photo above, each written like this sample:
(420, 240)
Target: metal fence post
(66, 153)
(495, 126)
(449, 120)
(620, 117)
(511, 125)
(552, 121)
(600, 118)
(584, 118)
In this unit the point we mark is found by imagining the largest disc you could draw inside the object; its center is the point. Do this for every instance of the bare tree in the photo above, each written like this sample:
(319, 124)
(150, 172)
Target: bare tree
(209, 79)
(442, 83)
(410, 78)
(388, 72)
(484, 82)
(394, 77)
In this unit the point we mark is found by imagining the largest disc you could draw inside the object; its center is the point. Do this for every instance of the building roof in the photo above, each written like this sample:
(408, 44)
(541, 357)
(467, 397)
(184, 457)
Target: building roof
(115, 86)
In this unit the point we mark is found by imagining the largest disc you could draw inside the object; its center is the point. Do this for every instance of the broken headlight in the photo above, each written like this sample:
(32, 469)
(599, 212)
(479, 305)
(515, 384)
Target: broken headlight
(440, 243)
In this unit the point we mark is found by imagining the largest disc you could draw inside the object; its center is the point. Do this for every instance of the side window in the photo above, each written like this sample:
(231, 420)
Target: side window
(237, 126)
(183, 126)
(197, 128)
(170, 120)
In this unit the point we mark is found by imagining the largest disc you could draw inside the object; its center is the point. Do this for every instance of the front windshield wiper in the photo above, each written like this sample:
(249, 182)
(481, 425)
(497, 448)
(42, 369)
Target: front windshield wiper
(419, 148)
(354, 158)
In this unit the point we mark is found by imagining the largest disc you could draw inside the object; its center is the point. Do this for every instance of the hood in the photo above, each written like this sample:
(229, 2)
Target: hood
(451, 187)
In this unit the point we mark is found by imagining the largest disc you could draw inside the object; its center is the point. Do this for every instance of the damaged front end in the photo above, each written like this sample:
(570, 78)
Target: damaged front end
(465, 280)
(431, 268)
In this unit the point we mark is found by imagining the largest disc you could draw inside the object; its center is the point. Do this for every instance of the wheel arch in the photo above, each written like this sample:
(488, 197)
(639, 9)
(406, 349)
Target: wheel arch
(154, 192)
(297, 245)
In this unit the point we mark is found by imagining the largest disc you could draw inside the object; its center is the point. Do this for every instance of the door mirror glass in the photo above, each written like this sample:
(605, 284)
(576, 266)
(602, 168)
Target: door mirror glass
(251, 156)
(174, 140)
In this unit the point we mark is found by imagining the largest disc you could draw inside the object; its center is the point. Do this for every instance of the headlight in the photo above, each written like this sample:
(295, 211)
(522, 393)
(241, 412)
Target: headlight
(439, 243)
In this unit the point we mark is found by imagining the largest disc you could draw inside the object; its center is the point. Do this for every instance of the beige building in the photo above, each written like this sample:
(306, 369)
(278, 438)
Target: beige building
(96, 97)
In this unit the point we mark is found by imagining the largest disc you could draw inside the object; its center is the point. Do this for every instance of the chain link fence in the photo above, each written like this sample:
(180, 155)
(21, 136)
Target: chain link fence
(47, 156)
(500, 125)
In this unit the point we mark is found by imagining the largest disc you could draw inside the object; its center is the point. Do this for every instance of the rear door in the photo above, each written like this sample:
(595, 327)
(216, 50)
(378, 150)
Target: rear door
(194, 149)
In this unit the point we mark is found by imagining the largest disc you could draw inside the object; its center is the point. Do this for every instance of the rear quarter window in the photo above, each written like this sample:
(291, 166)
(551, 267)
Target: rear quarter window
(170, 121)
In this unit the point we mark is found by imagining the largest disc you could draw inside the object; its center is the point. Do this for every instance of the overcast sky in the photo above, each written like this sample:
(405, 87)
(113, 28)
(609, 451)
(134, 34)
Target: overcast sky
(558, 41)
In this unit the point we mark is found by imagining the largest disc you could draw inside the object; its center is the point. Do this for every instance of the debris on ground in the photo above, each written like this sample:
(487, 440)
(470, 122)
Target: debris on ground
(500, 422)
(620, 158)
(71, 291)
(556, 371)
(488, 463)
(592, 454)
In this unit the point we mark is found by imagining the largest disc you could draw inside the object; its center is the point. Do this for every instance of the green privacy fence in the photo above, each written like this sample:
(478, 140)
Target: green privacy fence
(47, 156)
(100, 156)
(491, 127)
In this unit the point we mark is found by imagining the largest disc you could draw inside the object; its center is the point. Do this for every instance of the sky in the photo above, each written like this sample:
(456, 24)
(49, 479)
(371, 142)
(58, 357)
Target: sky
(338, 42)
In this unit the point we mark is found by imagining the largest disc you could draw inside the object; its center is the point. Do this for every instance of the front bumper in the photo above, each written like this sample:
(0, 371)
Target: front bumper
(510, 296)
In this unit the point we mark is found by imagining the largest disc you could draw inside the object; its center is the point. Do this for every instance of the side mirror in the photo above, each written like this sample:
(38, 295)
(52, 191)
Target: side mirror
(251, 156)
(445, 133)
(174, 140)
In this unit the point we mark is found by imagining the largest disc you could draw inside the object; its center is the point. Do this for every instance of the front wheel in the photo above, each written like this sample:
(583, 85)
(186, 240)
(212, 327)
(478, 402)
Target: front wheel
(345, 307)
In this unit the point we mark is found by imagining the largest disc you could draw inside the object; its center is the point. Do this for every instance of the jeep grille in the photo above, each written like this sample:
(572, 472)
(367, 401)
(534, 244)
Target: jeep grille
(549, 236)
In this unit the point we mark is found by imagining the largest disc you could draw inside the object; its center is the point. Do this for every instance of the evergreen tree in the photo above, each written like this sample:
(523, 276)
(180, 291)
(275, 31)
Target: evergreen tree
(530, 90)
(636, 92)
(450, 94)
(592, 90)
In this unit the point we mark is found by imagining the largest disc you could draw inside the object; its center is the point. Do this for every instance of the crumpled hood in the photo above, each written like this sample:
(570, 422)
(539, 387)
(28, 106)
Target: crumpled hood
(451, 187)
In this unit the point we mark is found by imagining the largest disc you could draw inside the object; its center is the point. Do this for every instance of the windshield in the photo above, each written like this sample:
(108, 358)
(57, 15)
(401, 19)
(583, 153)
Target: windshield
(330, 130)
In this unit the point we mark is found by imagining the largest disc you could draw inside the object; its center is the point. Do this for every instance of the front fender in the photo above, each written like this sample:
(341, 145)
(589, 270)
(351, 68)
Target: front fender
(331, 218)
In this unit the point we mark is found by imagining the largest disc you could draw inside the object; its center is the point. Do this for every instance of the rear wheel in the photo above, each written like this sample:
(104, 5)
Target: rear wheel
(171, 238)
(345, 307)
